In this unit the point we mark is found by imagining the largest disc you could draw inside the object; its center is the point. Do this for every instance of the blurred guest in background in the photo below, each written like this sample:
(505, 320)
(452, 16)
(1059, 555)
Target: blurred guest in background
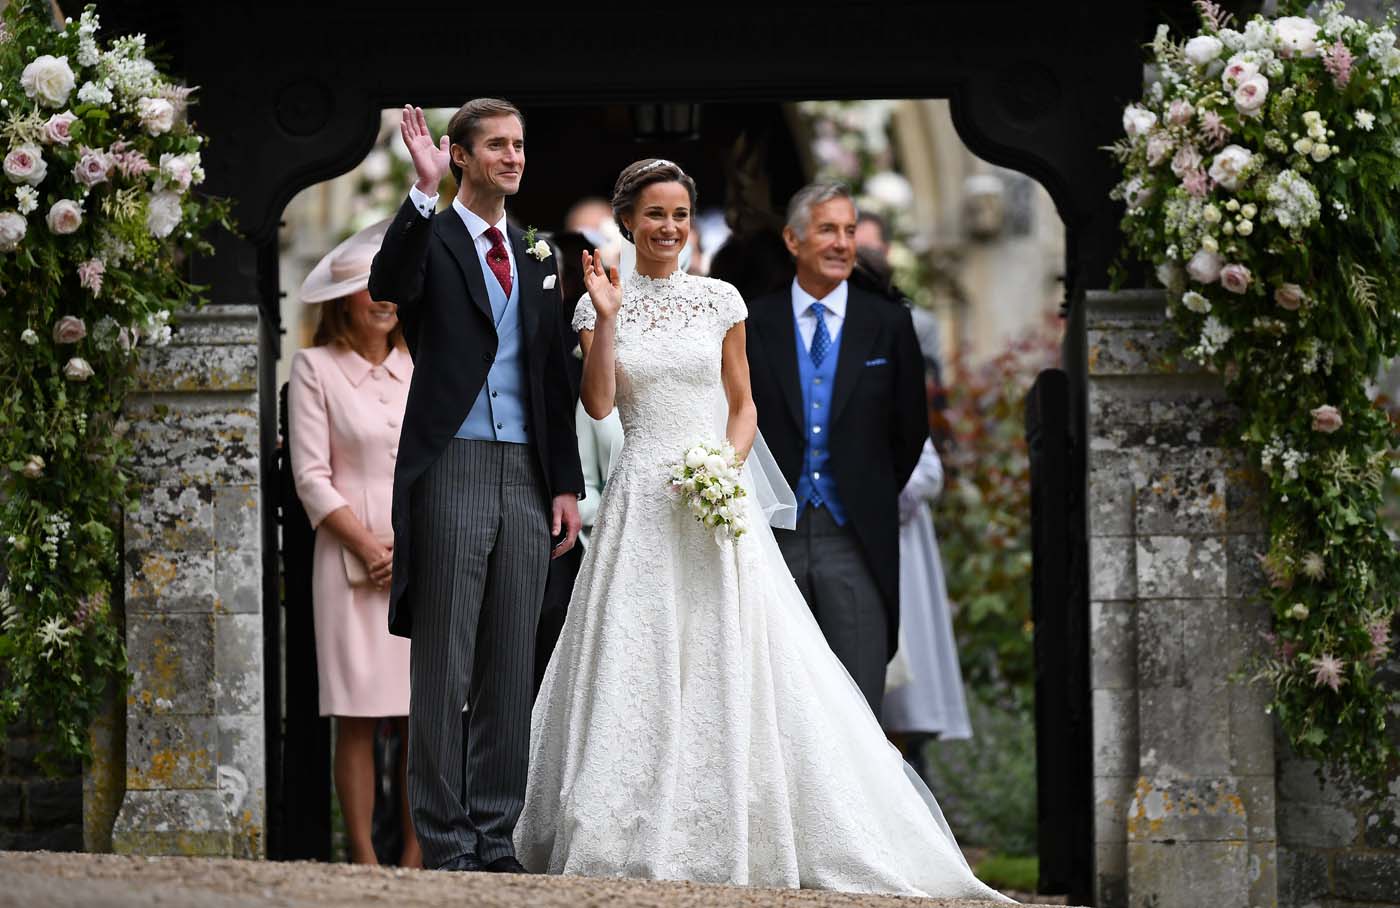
(930, 702)
(345, 403)
(599, 443)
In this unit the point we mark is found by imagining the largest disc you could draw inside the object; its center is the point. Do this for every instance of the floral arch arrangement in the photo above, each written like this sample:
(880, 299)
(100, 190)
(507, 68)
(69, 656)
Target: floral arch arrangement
(98, 214)
(1261, 173)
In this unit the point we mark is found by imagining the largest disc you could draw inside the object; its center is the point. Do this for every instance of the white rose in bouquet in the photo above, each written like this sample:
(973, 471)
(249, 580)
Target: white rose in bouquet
(13, 227)
(1239, 68)
(180, 170)
(57, 129)
(1229, 165)
(65, 217)
(163, 213)
(715, 465)
(48, 80)
(77, 369)
(1204, 267)
(695, 457)
(1251, 94)
(25, 164)
(1297, 36)
(1202, 49)
(1138, 120)
(157, 115)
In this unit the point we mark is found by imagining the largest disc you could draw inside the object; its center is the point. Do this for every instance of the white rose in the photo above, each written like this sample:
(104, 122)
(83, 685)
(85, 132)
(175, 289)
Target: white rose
(77, 369)
(178, 169)
(1296, 36)
(48, 80)
(1237, 70)
(1245, 228)
(1251, 94)
(714, 464)
(25, 164)
(162, 213)
(1138, 120)
(1229, 164)
(1195, 302)
(695, 457)
(13, 227)
(65, 217)
(157, 115)
(541, 250)
(1204, 267)
(1202, 49)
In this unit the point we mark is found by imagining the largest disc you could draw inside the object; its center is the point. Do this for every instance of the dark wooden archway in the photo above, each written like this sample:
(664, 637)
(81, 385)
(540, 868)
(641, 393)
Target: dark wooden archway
(290, 95)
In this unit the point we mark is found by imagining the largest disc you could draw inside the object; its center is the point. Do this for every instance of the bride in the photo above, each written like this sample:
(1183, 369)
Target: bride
(693, 723)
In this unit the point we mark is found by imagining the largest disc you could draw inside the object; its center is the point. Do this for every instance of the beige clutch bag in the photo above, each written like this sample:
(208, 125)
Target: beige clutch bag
(355, 570)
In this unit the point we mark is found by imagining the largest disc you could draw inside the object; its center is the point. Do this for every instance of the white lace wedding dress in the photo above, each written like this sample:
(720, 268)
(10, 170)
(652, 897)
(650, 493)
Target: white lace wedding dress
(693, 722)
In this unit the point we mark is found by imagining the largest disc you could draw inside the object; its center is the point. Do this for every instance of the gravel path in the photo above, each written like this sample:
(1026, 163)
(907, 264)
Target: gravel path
(29, 879)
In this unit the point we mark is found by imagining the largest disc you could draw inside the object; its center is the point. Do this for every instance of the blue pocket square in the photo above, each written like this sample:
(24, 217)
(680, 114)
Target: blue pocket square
(877, 361)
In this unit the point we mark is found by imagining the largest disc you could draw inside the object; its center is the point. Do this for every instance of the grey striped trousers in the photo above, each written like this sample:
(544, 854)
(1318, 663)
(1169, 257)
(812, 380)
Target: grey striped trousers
(479, 520)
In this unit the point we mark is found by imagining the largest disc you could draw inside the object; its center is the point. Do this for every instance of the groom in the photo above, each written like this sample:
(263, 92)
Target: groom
(839, 384)
(487, 483)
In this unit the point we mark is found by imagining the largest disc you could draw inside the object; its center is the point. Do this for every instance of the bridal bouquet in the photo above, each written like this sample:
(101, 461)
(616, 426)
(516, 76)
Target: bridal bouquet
(706, 482)
(1260, 174)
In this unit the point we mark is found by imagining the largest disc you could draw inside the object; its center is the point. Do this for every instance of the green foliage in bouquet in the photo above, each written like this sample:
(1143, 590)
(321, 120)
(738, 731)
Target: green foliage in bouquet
(97, 217)
(1261, 172)
(983, 517)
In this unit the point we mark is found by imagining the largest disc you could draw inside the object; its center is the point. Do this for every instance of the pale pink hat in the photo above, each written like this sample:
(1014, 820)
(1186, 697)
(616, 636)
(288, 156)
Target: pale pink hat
(345, 269)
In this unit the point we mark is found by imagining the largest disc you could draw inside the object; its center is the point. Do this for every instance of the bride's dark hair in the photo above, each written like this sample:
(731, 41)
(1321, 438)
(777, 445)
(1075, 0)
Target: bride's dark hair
(639, 175)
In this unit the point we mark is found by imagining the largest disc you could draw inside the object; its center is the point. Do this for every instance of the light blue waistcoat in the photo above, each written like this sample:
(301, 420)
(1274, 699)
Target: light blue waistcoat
(501, 410)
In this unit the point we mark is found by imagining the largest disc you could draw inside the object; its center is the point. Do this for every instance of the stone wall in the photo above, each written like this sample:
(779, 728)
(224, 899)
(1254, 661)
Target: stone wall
(194, 750)
(36, 811)
(1183, 756)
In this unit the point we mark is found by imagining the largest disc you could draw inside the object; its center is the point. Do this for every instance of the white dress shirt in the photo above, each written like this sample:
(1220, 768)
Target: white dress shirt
(476, 226)
(835, 315)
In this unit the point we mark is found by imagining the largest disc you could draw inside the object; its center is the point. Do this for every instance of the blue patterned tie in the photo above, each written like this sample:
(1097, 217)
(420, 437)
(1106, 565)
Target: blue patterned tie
(821, 340)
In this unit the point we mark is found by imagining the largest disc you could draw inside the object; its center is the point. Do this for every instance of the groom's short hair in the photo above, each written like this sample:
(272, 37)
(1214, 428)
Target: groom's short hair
(466, 122)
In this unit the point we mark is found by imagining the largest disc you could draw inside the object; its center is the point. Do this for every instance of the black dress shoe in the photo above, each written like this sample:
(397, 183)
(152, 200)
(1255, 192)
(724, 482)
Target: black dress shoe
(507, 864)
(464, 862)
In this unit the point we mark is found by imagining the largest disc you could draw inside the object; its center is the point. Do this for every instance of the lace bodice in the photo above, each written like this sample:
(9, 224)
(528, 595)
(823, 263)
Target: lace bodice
(670, 332)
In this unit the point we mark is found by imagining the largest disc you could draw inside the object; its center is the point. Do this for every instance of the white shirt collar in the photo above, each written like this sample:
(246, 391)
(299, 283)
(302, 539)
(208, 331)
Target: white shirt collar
(476, 225)
(835, 301)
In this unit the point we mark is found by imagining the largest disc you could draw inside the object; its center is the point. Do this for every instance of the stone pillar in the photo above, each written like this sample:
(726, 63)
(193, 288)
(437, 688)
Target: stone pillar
(1183, 751)
(195, 764)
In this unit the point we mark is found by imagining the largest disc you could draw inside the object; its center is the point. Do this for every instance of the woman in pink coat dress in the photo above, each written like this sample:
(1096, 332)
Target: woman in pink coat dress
(345, 404)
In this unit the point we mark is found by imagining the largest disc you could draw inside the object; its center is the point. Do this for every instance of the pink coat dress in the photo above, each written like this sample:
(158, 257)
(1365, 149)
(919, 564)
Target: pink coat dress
(344, 416)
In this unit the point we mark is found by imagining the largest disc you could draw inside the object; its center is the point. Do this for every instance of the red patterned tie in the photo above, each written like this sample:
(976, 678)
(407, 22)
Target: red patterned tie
(498, 259)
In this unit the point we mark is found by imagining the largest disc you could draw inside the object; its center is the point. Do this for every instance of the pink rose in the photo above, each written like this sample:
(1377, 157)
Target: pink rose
(1159, 147)
(92, 168)
(1235, 278)
(1204, 267)
(1180, 112)
(65, 217)
(69, 330)
(1251, 94)
(1326, 419)
(1237, 70)
(56, 130)
(1186, 160)
(25, 164)
(1289, 296)
(77, 369)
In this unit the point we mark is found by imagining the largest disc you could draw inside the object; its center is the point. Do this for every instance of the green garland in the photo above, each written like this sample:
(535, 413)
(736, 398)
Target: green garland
(97, 216)
(1261, 173)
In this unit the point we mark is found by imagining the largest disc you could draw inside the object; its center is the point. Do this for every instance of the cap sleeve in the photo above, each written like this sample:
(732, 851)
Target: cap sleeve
(584, 314)
(732, 309)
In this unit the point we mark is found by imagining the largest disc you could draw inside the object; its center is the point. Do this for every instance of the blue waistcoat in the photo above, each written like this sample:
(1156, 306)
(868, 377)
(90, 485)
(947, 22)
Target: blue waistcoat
(501, 410)
(816, 403)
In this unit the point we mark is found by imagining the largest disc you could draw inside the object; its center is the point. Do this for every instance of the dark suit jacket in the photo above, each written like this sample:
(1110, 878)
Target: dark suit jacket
(878, 421)
(429, 267)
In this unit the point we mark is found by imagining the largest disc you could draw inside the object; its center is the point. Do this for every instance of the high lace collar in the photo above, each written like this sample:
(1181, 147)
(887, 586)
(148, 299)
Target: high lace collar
(643, 283)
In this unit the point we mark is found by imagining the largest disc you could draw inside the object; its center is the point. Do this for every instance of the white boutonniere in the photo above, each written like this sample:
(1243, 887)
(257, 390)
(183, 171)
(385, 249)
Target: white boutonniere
(538, 248)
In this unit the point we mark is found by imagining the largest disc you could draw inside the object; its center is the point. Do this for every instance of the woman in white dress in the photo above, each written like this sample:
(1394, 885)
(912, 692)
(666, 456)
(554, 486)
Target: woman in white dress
(693, 723)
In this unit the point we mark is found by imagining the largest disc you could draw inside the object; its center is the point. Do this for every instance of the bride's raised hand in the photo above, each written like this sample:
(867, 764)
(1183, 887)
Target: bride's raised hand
(430, 159)
(602, 287)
